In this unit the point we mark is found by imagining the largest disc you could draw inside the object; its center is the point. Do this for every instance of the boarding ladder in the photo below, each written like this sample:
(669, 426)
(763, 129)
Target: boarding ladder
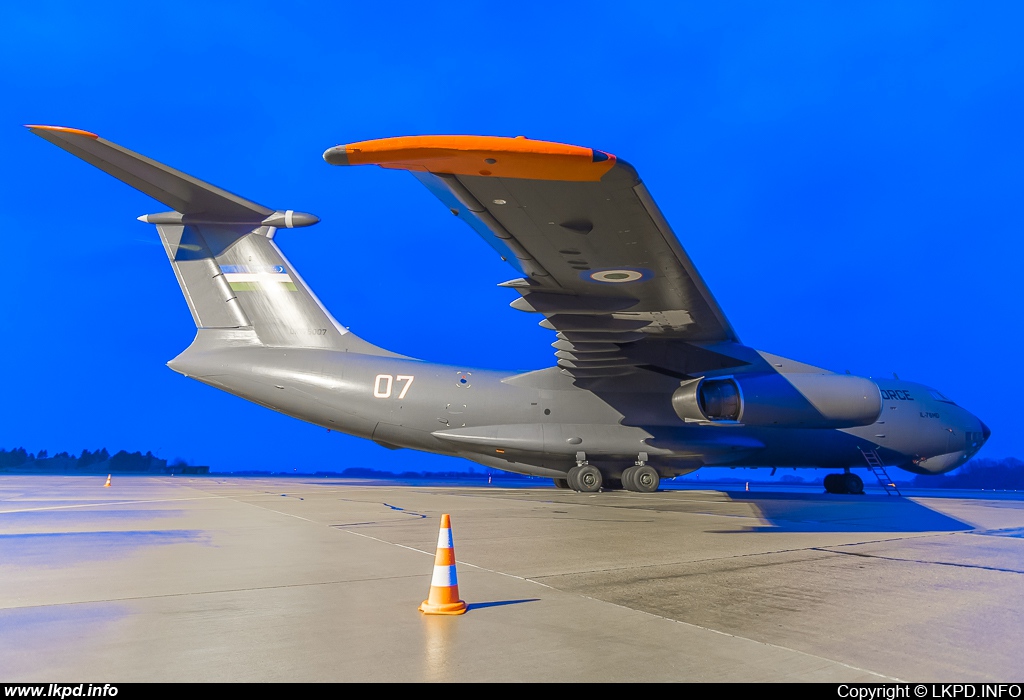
(876, 467)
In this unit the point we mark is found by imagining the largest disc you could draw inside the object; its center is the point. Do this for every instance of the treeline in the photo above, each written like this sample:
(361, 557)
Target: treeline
(100, 460)
(1002, 474)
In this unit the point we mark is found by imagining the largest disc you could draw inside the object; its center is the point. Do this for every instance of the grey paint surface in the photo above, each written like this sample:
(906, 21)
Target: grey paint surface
(297, 580)
(634, 322)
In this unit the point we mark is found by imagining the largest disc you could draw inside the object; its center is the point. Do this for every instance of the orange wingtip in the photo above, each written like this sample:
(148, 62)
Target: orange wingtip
(65, 129)
(495, 156)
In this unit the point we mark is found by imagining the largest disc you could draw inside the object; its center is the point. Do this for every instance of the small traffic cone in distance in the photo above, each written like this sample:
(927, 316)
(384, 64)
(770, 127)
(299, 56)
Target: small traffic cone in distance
(444, 586)
(107, 485)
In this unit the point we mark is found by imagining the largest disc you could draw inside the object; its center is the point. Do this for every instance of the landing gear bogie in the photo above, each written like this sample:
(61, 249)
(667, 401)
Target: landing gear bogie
(641, 477)
(586, 478)
(847, 483)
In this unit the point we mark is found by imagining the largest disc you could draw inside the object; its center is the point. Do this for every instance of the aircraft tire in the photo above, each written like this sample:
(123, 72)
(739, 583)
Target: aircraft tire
(588, 478)
(836, 483)
(646, 479)
(561, 483)
(829, 482)
(570, 479)
(853, 484)
(627, 478)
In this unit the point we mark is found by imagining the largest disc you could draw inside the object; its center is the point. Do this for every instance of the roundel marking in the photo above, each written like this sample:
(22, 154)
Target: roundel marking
(616, 275)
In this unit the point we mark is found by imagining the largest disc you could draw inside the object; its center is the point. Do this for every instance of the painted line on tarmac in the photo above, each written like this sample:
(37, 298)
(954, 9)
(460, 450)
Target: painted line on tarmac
(279, 512)
(463, 563)
(642, 612)
(109, 503)
(215, 591)
(377, 539)
(393, 544)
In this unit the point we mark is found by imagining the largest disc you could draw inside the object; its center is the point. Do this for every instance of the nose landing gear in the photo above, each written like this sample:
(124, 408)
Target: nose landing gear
(847, 482)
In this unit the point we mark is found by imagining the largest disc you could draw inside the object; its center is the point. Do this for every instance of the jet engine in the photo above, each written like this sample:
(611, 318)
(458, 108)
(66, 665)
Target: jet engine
(780, 400)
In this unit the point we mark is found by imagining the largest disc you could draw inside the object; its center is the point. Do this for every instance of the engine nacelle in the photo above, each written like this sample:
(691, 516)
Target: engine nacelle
(781, 400)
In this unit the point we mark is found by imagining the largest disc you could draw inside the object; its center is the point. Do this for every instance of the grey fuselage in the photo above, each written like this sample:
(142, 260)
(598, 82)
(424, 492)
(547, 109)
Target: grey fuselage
(541, 422)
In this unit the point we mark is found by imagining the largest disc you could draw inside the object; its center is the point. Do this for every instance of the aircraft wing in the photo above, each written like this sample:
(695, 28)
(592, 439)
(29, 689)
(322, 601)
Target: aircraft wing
(598, 259)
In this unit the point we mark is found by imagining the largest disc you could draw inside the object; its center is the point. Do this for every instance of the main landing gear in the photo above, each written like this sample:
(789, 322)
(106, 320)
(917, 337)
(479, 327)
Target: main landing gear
(641, 477)
(844, 483)
(586, 478)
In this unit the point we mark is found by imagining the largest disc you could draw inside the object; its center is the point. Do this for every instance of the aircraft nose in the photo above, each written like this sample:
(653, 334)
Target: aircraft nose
(984, 430)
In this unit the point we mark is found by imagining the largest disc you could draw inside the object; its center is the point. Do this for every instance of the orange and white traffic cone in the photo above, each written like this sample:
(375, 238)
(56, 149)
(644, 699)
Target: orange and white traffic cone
(444, 586)
(107, 485)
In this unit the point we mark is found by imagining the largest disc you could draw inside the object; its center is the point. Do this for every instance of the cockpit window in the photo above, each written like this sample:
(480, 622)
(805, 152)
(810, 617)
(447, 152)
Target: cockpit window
(939, 397)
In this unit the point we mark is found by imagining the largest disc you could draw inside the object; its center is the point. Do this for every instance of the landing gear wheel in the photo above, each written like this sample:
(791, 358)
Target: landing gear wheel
(570, 479)
(587, 478)
(561, 483)
(833, 483)
(627, 478)
(853, 484)
(848, 483)
(646, 479)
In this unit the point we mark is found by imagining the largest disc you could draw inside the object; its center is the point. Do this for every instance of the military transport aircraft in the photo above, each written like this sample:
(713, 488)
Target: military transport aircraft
(651, 380)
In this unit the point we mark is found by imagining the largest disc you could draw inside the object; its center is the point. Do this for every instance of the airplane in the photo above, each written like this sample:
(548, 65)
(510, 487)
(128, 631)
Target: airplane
(650, 380)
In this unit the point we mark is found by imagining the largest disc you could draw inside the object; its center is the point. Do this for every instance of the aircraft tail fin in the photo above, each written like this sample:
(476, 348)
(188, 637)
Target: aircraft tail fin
(221, 248)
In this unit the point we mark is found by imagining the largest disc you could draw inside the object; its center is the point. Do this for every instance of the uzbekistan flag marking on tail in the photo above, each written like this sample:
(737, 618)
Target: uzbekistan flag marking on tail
(255, 278)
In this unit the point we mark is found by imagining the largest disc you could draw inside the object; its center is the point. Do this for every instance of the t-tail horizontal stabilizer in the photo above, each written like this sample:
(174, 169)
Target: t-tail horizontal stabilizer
(220, 246)
(195, 201)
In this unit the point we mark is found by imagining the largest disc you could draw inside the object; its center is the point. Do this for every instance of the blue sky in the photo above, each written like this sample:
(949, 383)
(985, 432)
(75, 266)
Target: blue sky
(847, 179)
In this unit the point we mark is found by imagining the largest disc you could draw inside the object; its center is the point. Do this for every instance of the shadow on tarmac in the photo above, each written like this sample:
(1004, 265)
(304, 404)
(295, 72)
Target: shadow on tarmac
(498, 603)
(822, 512)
